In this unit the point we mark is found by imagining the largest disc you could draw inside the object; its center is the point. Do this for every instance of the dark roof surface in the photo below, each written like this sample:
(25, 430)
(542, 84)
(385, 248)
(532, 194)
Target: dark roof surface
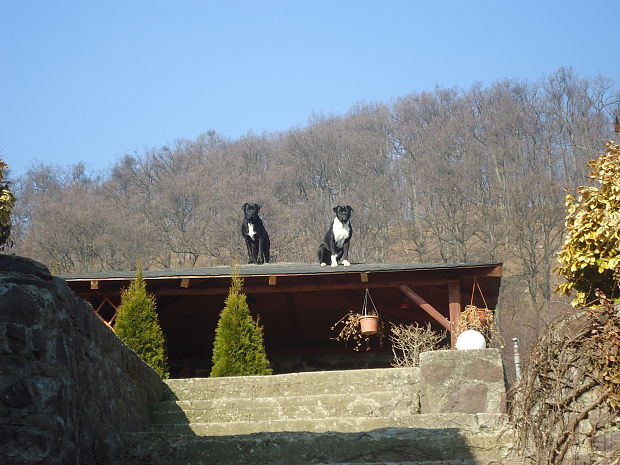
(274, 269)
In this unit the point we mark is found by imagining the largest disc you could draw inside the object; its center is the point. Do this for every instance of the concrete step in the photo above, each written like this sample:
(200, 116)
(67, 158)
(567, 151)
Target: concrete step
(370, 404)
(387, 446)
(470, 423)
(309, 383)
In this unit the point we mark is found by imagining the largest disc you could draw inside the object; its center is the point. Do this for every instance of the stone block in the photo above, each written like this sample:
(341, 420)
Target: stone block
(16, 338)
(462, 381)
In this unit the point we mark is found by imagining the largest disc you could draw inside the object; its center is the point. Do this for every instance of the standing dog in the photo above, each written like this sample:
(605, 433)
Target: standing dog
(255, 235)
(335, 246)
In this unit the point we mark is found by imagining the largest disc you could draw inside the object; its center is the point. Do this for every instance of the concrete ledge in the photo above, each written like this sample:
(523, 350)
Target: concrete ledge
(462, 381)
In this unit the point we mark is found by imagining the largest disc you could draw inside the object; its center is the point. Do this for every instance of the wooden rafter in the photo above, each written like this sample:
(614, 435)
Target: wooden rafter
(428, 308)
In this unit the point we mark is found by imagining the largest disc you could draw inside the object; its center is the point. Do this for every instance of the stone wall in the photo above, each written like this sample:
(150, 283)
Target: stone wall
(66, 379)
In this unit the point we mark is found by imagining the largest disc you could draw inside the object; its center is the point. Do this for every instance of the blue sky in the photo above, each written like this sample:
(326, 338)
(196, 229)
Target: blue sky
(86, 81)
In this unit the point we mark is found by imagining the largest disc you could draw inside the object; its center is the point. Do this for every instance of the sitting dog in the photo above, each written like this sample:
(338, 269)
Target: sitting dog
(255, 235)
(335, 246)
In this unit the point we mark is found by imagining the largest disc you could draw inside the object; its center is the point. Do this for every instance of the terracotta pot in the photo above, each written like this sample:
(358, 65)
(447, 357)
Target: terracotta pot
(369, 324)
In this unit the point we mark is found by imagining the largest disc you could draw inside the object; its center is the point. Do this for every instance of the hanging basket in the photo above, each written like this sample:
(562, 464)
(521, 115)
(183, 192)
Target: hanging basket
(369, 325)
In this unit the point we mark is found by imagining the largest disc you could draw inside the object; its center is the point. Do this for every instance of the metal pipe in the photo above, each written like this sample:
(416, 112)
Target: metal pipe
(517, 357)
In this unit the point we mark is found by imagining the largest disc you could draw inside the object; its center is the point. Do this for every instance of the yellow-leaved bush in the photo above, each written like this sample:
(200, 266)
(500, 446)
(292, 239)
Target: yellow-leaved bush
(589, 258)
(7, 202)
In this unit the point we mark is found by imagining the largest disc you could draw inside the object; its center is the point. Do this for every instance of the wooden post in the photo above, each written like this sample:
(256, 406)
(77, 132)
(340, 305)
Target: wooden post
(454, 299)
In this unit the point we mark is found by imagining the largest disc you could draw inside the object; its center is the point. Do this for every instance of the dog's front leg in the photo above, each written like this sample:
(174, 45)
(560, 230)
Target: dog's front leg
(260, 258)
(331, 245)
(345, 254)
(248, 245)
(333, 251)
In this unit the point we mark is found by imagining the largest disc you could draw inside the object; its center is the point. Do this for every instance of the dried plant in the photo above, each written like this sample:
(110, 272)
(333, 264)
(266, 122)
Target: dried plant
(562, 391)
(350, 331)
(409, 341)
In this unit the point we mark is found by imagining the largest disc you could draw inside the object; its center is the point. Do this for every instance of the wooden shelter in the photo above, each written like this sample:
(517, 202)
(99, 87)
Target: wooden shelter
(297, 303)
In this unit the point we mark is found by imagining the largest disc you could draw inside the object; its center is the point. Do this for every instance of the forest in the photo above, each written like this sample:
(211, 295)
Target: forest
(445, 176)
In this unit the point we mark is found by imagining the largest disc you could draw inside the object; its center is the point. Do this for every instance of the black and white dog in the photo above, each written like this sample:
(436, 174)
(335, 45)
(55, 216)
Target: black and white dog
(255, 235)
(335, 246)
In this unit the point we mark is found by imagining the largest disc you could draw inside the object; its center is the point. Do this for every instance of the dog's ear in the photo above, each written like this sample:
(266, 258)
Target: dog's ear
(348, 208)
(257, 207)
(336, 209)
(244, 206)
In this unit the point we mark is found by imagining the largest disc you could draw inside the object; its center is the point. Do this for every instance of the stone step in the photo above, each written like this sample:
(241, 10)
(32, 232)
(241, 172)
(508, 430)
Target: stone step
(387, 446)
(371, 404)
(471, 423)
(309, 383)
(425, 462)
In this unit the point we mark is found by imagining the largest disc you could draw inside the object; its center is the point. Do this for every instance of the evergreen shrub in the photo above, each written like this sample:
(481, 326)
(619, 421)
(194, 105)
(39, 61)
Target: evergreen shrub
(137, 325)
(238, 349)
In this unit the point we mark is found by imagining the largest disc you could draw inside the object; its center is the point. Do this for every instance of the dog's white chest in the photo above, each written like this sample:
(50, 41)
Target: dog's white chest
(341, 232)
(251, 232)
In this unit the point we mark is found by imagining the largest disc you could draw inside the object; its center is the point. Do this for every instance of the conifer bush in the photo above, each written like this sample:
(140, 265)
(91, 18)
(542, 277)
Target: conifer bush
(238, 349)
(137, 325)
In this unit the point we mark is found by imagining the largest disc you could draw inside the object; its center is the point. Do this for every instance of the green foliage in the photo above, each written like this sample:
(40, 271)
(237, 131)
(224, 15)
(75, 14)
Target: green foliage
(238, 349)
(590, 257)
(7, 202)
(137, 325)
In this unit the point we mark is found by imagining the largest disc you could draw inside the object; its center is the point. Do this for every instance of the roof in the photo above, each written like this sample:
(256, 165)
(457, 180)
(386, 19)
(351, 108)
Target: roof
(270, 269)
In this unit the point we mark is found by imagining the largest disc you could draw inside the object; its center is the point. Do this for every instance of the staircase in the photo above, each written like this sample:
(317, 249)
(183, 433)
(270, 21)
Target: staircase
(337, 418)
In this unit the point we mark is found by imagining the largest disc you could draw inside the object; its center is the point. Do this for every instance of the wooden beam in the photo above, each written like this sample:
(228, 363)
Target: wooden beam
(249, 288)
(428, 308)
(94, 284)
(185, 283)
(454, 299)
(253, 286)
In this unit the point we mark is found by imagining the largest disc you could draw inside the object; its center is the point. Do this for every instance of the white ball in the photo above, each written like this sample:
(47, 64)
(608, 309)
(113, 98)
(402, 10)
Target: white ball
(470, 339)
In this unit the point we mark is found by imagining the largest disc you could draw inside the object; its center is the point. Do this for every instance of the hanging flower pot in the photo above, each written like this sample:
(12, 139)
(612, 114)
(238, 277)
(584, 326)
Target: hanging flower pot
(369, 321)
(369, 324)
(358, 327)
(476, 315)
